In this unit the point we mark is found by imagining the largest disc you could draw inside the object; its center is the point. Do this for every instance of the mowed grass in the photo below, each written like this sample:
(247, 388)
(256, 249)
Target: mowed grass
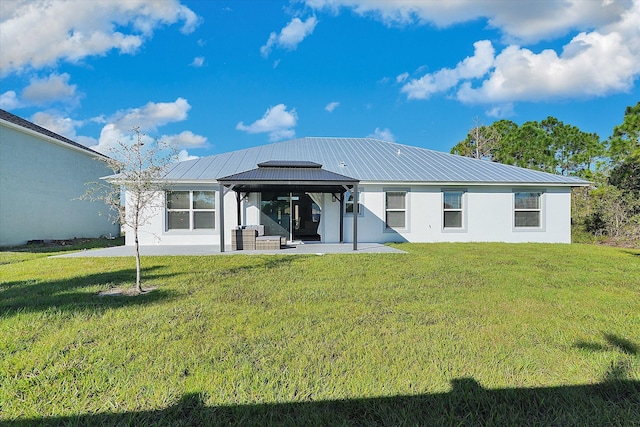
(447, 334)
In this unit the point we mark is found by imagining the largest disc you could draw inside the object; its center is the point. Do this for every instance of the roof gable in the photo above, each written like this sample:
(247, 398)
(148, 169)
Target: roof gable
(19, 121)
(368, 160)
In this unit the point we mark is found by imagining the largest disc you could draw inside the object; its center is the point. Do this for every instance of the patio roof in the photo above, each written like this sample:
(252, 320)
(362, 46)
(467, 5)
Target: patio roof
(294, 175)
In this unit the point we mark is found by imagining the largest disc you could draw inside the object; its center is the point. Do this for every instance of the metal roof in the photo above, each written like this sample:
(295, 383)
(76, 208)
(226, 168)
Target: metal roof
(12, 118)
(293, 174)
(367, 160)
(287, 174)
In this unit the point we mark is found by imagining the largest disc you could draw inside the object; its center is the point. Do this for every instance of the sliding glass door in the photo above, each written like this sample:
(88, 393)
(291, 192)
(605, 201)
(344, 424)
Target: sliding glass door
(292, 215)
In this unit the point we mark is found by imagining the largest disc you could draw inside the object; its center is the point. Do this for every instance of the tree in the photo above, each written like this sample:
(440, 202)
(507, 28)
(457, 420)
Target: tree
(480, 142)
(574, 151)
(526, 146)
(549, 146)
(615, 214)
(139, 168)
(625, 140)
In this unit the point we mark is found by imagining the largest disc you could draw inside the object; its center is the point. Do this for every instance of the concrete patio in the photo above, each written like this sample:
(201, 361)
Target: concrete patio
(298, 248)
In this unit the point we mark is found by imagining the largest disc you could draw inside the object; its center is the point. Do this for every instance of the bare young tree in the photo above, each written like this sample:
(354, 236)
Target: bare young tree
(140, 169)
(480, 142)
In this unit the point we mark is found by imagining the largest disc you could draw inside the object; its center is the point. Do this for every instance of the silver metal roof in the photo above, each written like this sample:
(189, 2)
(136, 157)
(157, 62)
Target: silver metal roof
(270, 174)
(367, 160)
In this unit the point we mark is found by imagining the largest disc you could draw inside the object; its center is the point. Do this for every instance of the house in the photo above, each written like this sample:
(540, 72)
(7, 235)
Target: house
(332, 189)
(42, 174)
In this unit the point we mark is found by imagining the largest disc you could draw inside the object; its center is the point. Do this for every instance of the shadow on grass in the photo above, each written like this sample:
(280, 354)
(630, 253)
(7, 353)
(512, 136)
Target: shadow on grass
(71, 294)
(467, 404)
(619, 370)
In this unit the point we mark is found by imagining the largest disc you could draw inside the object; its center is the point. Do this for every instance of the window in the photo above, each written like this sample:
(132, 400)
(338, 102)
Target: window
(191, 210)
(348, 203)
(396, 209)
(527, 209)
(452, 209)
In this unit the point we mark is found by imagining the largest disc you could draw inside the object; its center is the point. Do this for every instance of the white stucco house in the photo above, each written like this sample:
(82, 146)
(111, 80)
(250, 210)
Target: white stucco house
(41, 176)
(304, 189)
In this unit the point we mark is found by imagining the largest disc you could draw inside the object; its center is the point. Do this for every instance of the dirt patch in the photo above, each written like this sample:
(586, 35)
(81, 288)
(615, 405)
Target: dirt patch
(125, 292)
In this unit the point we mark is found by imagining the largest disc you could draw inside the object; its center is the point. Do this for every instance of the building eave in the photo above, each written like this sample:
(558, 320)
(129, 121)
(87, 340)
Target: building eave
(81, 149)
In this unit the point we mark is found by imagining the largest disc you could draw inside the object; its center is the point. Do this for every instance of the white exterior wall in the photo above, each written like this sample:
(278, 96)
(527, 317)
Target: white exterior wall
(488, 215)
(40, 181)
(153, 231)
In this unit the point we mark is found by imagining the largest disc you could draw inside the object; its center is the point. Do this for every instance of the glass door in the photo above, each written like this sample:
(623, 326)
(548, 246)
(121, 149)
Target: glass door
(275, 214)
(294, 216)
(306, 218)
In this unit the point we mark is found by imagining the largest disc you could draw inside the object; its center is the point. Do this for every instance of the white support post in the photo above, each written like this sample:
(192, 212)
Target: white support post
(355, 217)
(221, 217)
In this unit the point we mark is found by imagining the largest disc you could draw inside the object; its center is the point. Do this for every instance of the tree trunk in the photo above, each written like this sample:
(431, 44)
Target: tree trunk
(137, 246)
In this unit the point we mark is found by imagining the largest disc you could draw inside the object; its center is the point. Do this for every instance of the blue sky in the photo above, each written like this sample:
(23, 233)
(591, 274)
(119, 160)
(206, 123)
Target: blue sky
(216, 76)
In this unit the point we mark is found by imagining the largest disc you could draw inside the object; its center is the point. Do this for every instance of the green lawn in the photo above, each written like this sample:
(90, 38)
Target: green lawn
(448, 334)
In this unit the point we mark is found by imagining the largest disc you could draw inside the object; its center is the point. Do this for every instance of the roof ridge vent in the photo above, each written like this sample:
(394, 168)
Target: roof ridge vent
(289, 164)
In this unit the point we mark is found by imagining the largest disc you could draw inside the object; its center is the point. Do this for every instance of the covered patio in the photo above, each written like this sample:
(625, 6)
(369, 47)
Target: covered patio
(287, 178)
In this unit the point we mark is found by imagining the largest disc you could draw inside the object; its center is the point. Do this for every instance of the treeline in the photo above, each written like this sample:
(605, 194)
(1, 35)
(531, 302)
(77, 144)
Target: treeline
(607, 209)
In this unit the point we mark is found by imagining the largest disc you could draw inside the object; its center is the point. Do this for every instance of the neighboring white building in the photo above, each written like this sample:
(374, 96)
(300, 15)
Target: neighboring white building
(41, 176)
(303, 189)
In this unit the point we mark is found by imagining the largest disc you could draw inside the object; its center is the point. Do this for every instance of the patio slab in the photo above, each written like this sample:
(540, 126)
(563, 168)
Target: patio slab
(178, 250)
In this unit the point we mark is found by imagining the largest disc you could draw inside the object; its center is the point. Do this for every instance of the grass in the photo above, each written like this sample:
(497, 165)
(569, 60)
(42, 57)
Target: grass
(448, 334)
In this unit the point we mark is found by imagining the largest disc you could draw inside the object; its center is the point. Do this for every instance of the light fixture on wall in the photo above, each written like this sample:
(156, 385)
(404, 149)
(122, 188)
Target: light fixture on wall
(334, 198)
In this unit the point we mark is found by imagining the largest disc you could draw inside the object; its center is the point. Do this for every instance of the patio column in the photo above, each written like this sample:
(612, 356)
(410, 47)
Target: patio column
(221, 216)
(341, 217)
(355, 217)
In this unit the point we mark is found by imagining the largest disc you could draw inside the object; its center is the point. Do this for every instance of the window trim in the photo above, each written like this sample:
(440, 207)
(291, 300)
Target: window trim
(406, 210)
(540, 209)
(192, 211)
(462, 210)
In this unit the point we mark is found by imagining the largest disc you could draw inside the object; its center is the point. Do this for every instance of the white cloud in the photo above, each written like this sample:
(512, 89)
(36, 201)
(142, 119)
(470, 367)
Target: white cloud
(383, 134)
(500, 111)
(55, 88)
(277, 122)
(198, 61)
(471, 67)
(401, 78)
(76, 29)
(9, 100)
(185, 139)
(522, 21)
(151, 115)
(183, 156)
(596, 63)
(61, 125)
(118, 126)
(290, 36)
(591, 64)
(332, 106)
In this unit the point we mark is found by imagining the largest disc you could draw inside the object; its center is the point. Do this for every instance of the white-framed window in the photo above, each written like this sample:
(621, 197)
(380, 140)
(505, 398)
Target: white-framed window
(395, 209)
(527, 209)
(453, 209)
(191, 210)
(348, 203)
